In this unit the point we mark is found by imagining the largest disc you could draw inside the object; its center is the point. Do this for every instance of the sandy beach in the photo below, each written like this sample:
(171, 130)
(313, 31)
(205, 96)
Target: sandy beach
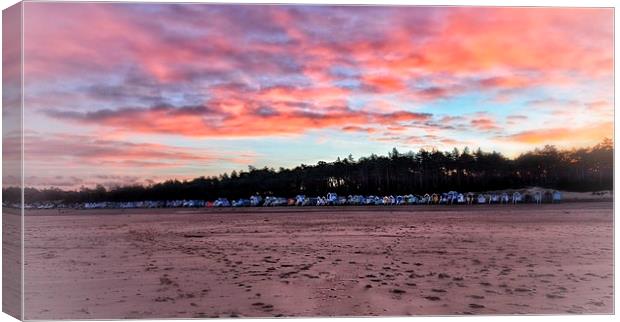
(349, 261)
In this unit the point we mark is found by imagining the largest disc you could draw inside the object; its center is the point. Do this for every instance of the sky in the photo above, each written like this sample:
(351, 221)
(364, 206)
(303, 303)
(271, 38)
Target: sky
(127, 93)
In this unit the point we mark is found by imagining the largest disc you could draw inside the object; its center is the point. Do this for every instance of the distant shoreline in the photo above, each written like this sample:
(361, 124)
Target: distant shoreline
(308, 209)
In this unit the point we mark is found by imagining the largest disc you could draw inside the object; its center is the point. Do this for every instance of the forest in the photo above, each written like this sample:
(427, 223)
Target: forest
(583, 169)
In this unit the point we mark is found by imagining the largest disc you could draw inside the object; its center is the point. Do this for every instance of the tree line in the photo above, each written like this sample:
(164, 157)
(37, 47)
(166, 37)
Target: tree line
(584, 169)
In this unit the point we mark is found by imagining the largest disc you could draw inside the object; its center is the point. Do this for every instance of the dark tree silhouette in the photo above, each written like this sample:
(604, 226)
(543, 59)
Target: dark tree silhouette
(584, 169)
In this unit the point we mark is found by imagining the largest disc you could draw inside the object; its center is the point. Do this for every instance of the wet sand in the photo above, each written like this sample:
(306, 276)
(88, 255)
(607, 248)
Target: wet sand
(350, 261)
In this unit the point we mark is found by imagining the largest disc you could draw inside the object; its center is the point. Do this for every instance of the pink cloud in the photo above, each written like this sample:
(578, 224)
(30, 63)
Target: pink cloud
(353, 128)
(383, 83)
(448, 40)
(62, 150)
(485, 124)
(247, 120)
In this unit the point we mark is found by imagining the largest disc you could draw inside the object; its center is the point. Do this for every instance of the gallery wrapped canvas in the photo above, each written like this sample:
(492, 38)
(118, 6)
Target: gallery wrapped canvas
(194, 160)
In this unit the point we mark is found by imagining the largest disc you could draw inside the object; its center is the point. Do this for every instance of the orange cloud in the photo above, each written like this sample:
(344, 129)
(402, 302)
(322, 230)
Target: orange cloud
(484, 38)
(579, 136)
(383, 83)
(601, 107)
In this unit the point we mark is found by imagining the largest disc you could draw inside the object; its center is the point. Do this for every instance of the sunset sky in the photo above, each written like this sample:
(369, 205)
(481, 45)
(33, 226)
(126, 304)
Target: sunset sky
(139, 93)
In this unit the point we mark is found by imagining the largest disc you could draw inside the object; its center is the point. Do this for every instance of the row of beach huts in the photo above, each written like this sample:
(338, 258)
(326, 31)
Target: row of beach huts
(331, 199)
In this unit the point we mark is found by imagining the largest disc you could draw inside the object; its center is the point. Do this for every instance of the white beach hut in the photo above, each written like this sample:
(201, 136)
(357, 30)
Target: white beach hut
(505, 198)
(538, 196)
(517, 197)
(557, 196)
(299, 200)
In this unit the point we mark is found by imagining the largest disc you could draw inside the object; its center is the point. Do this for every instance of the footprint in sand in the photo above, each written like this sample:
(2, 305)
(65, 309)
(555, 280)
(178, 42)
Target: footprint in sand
(555, 296)
(522, 289)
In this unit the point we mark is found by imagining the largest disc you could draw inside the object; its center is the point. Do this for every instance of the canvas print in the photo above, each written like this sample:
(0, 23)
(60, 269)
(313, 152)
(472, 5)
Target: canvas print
(188, 160)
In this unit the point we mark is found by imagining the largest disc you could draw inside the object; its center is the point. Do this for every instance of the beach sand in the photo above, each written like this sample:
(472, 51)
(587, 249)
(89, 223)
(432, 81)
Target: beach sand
(348, 261)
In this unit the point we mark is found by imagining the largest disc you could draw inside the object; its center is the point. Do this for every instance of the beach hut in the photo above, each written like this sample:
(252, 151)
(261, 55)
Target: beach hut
(452, 197)
(416, 199)
(426, 199)
(198, 203)
(299, 200)
(361, 200)
(332, 198)
(538, 196)
(272, 201)
(411, 199)
(241, 203)
(221, 202)
(352, 200)
(470, 198)
(310, 201)
(443, 199)
(255, 200)
(268, 201)
(385, 200)
(557, 196)
(517, 197)
(548, 196)
(378, 201)
(505, 198)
